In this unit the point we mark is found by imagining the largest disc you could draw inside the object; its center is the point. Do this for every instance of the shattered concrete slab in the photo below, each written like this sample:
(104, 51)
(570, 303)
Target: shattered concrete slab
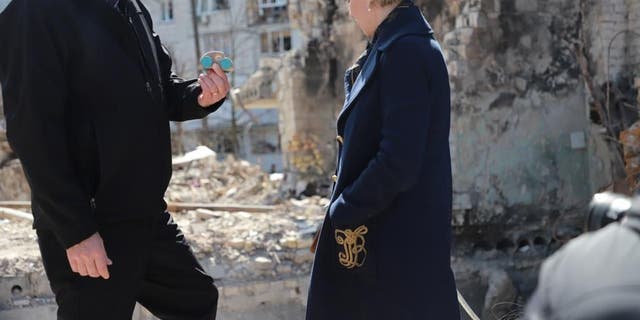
(211, 181)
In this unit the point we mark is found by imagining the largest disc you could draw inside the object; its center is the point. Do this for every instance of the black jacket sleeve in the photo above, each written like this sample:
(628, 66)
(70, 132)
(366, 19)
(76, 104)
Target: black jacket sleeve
(33, 76)
(181, 95)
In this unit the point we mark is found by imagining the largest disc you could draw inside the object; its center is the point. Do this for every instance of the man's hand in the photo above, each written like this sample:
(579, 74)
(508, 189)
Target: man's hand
(215, 86)
(89, 258)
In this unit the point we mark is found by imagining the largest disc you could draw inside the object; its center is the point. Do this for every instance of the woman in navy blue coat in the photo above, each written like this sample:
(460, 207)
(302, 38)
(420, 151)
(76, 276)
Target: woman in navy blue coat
(384, 248)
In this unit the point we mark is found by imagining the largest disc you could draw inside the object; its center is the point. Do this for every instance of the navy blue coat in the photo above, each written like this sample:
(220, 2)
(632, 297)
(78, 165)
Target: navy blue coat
(384, 248)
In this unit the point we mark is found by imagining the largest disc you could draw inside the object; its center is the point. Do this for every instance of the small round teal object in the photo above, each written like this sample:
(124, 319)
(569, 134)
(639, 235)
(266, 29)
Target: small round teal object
(226, 64)
(207, 62)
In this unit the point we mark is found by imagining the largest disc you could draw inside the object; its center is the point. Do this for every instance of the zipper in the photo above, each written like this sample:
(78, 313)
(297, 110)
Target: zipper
(142, 64)
(153, 71)
(143, 61)
(148, 74)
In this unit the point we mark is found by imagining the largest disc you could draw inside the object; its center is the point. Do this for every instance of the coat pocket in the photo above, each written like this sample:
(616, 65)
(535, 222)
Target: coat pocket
(353, 253)
(355, 250)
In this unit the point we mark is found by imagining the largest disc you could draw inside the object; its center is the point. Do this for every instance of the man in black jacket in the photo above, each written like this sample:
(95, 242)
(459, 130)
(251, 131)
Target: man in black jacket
(89, 94)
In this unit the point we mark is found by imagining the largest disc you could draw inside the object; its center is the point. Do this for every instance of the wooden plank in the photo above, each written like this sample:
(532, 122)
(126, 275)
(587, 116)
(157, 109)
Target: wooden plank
(16, 204)
(177, 206)
(173, 206)
(206, 213)
(15, 214)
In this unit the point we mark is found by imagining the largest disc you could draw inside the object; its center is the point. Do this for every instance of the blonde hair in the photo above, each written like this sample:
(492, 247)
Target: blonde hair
(384, 3)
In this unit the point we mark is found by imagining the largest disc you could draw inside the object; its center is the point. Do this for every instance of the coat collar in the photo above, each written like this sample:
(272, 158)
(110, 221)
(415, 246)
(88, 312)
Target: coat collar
(405, 20)
(4, 4)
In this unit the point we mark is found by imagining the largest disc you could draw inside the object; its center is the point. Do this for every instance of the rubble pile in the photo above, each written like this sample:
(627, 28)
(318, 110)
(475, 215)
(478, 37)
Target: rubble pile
(233, 246)
(258, 260)
(229, 181)
(237, 246)
(204, 181)
(13, 184)
(19, 253)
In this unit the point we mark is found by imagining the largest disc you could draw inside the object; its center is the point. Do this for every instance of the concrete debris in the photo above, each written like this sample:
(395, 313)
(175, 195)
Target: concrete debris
(501, 295)
(211, 181)
(276, 177)
(15, 214)
(20, 204)
(268, 243)
(179, 206)
(255, 245)
(236, 246)
(6, 154)
(14, 185)
(262, 264)
(199, 153)
(19, 253)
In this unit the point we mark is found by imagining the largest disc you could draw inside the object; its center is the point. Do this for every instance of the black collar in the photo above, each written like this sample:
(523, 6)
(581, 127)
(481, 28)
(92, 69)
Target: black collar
(405, 19)
(113, 3)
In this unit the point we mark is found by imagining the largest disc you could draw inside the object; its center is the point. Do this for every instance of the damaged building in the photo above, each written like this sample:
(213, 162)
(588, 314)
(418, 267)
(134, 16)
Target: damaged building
(544, 115)
(247, 31)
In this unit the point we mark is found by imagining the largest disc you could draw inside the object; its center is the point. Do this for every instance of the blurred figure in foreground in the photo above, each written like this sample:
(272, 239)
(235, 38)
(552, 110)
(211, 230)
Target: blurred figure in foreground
(595, 276)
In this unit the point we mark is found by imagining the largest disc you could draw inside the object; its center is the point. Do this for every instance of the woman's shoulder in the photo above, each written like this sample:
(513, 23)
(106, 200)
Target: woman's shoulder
(421, 50)
(412, 44)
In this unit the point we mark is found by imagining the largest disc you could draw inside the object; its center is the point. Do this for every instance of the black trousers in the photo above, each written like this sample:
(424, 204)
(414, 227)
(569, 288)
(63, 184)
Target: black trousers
(152, 265)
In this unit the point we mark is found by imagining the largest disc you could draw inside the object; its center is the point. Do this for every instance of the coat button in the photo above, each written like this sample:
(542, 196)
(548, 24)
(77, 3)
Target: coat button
(340, 139)
(334, 178)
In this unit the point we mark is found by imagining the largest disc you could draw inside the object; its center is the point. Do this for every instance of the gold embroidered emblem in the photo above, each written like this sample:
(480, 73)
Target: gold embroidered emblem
(353, 243)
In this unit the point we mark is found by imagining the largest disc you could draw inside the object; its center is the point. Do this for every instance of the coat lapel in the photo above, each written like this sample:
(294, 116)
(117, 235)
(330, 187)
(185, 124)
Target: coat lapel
(406, 19)
(365, 75)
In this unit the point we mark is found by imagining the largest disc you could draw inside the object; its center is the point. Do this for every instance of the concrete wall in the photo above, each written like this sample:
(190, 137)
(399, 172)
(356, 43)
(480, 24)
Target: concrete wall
(517, 102)
(634, 38)
(306, 117)
(608, 19)
(521, 133)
